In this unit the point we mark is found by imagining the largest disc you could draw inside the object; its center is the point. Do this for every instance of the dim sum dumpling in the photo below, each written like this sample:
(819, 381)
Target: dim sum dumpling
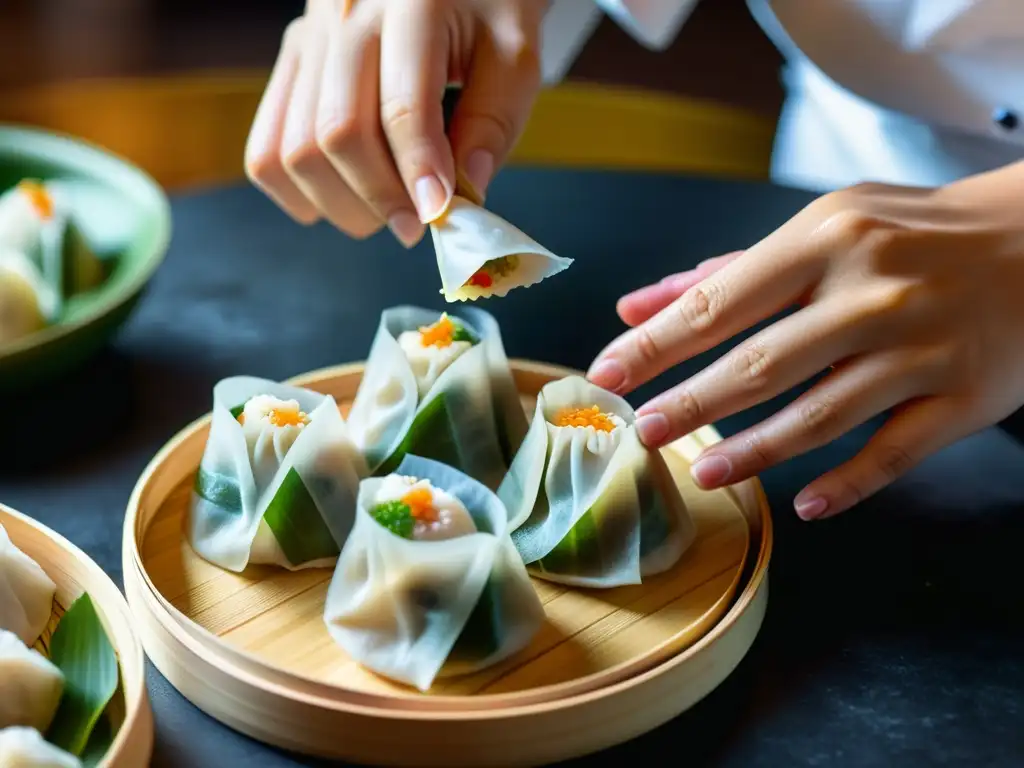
(36, 220)
(30, 686)
(25, 748)
(428, 584)
(480, 254)
(441, 388)
(26, 592)
(277, 483)
(588, 504)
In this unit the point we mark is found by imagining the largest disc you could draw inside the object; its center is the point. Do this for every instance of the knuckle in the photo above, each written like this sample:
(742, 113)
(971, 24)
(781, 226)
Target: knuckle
(341, 135)
(700, 306)
(647, 345)
(688, 409)
(818, 417)
(263, 168)
(847, 228)
(892, 461)
(400, 113)
(501, 125)
(754, 365)
(302, 159)
(760, 453)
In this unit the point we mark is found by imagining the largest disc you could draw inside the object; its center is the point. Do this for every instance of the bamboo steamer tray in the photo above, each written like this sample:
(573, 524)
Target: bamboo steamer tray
(251, 649)
(74, 573)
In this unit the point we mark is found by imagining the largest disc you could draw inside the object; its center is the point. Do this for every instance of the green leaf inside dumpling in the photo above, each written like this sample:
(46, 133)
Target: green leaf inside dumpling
(82, 651)
(296, 522)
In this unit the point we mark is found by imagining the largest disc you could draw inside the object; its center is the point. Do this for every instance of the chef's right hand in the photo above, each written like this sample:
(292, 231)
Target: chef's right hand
(350, 128)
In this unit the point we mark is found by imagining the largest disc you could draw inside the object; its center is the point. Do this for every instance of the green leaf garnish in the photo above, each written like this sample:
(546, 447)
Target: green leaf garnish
(396, 517)
(82, 651)
(462, 333)
(220, 490)
(297, 524)
(237, 410)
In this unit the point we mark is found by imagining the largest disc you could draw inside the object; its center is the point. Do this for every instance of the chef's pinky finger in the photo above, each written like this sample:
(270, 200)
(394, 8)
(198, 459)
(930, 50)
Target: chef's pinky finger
(914, 431)
(263, 162)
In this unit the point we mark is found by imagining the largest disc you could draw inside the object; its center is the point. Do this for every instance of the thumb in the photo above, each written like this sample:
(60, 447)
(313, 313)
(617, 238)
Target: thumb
(499, 92)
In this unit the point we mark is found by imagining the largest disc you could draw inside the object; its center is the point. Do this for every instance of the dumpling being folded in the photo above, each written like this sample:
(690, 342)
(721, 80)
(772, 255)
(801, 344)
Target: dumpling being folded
(25, 748)
(26, 592)
(480, 254)
(30, 686)
(588, 504)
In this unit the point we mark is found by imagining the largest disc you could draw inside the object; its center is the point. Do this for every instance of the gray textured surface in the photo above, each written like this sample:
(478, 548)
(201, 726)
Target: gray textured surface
(894, 632)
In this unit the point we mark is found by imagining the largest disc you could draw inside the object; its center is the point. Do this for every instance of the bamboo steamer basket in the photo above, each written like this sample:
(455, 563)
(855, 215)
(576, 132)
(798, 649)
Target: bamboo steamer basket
(251, 650)
(75, 573)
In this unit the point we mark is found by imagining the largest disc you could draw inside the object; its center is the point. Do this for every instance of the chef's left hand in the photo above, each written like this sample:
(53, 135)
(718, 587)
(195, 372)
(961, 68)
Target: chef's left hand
(913, 297)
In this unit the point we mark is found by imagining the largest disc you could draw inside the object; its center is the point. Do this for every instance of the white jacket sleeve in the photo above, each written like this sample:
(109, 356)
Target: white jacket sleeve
(568, 25)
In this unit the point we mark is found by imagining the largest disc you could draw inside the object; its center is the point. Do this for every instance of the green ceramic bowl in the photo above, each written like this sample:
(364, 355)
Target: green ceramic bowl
(126, 218)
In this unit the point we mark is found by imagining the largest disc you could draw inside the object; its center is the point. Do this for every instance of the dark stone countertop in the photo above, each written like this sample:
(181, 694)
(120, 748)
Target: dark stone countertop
(894, 633)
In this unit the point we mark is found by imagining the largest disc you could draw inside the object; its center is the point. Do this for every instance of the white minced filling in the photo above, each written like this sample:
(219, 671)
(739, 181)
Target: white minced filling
(453, 519)
(429, 362)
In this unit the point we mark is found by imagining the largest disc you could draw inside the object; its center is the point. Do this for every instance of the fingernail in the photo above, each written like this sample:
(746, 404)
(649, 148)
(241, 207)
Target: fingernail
(652, 428)
(479, 167)
(608, 374)
(406, 227)
(431, 198)
(810, 507)
(711, 471)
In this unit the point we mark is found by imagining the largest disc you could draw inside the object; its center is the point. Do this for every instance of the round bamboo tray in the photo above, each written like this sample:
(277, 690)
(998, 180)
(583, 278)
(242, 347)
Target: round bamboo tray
(75, 573)
(251, 650)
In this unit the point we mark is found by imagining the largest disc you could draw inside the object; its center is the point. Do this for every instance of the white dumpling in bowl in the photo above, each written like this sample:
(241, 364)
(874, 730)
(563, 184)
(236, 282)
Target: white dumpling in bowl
(27, 302)
(26, 748)
(30, 685)
(26, 592)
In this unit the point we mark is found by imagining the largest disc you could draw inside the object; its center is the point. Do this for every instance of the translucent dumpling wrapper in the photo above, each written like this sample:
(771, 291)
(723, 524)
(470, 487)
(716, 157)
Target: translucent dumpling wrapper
(26, 592)
(27, 302)
(30, 686)
(441, 388)
(22, 747)
(429, 584)
(480, 255)
(278, 480)
(36, 219)
(588, 504)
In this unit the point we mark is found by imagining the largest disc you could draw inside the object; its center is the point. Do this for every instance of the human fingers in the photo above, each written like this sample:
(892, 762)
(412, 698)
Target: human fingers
(745, 291)
(264, 164)
(913, 432)
(304, 160)
(642, 304)
(784, 354)
(856, 391)
(501, 85)
(415, 50)
(348, 127)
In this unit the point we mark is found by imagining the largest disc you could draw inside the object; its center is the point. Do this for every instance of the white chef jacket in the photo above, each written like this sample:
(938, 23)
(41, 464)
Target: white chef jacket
(918, 92)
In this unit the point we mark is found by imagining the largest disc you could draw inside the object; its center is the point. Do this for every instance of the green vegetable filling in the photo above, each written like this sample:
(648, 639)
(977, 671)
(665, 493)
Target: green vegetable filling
(396, 517)
(502, 266)
(462, 333)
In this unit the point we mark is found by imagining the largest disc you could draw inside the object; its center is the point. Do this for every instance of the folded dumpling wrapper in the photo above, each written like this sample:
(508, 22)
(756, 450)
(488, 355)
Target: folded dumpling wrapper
(264, 496)
(470, 415)
(26, 592)
(27, 302)
(22, 747)
(30, 685)
(36, 219)
(467, 236)
(414, 611)
(592, 508)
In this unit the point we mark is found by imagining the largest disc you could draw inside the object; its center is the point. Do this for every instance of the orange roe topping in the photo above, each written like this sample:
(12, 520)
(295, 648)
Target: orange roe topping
(39, 198)
(439, 334)
(287, 417)
(481, 279)
(584, 417)
(241, 418)
(420, 502)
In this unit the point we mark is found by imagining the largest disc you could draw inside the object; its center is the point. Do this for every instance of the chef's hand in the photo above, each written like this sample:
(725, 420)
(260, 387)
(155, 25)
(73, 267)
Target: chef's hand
(350, 128)
(913, 297)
